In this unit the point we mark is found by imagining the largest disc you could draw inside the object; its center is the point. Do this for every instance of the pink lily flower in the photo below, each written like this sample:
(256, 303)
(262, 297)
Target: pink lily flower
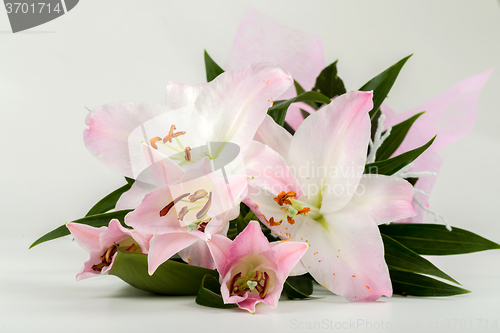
(251, 269)
(228, 109)
(158, 146)
(184, 215)
(450, 115)
(330, 205)
(103, 243)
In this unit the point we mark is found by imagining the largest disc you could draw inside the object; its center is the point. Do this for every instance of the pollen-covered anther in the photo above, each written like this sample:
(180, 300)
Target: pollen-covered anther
(172, 203)
(172, 135)
(203, 225)
(131, 248)
(290, 220)
(200, 194)
(289, 237)
(187, 153)
(282, 197)
(106, 258)
(202, 212)
(153, 142)
(272, 223)
(182, 213)
(303, 211)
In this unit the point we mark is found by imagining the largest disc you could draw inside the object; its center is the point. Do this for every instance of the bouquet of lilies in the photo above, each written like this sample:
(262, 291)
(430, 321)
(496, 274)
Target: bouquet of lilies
(232, 198)
(226, 201)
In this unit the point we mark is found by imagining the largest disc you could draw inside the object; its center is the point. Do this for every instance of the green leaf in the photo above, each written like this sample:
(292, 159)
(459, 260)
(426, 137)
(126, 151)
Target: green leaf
(209, 294)
(382, 84)
(304, 113)
(328, 83)
(213, 70)
(300, 90)
(394, 140)
(401, 258)
(279, 109)
(97, 220)
(405, 283)
(300, 287)
(109, 202)
(435, 239)
(171, 278)
(393, 165)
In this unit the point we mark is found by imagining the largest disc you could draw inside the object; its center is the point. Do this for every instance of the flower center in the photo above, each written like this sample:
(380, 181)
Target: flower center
(259, 282)
(167, 142)
(107, 256)
(198, 204)
(292, 207)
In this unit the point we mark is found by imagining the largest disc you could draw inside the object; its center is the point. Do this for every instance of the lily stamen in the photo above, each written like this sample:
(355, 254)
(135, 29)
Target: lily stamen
(187, 153)
(283, 197)
(171, 135)
(168, 207)
(106, 258)
(153, 142)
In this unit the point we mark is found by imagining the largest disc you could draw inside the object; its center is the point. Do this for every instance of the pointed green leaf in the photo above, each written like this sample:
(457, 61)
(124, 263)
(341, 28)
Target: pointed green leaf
(405, 283)
(171, 278)
(394, 140)
(401, 258)
(328, 83)
(435, 239)
(382, 84)
(97, 220)
(300, 90)
(109, 202)
(213, 70)
(279, 109)
(393, 165)
(288, 128)
(209, 294)
(304, 113)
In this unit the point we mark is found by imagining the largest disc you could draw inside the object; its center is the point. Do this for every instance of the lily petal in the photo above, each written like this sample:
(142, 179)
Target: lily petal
(288, 255)
(249, 304)
(110, 127)
(346, 254)
(329, 150)
(86, 236)
(147, 219)
(235, 103)
(274, 136)
(220, 247)
(250, 241)
(180, 95)
(163, 247)
(269, 170)
(198, 254)
(387, 199)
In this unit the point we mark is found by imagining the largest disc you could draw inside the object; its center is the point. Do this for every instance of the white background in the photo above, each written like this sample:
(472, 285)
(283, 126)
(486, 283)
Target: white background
(117, 50)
